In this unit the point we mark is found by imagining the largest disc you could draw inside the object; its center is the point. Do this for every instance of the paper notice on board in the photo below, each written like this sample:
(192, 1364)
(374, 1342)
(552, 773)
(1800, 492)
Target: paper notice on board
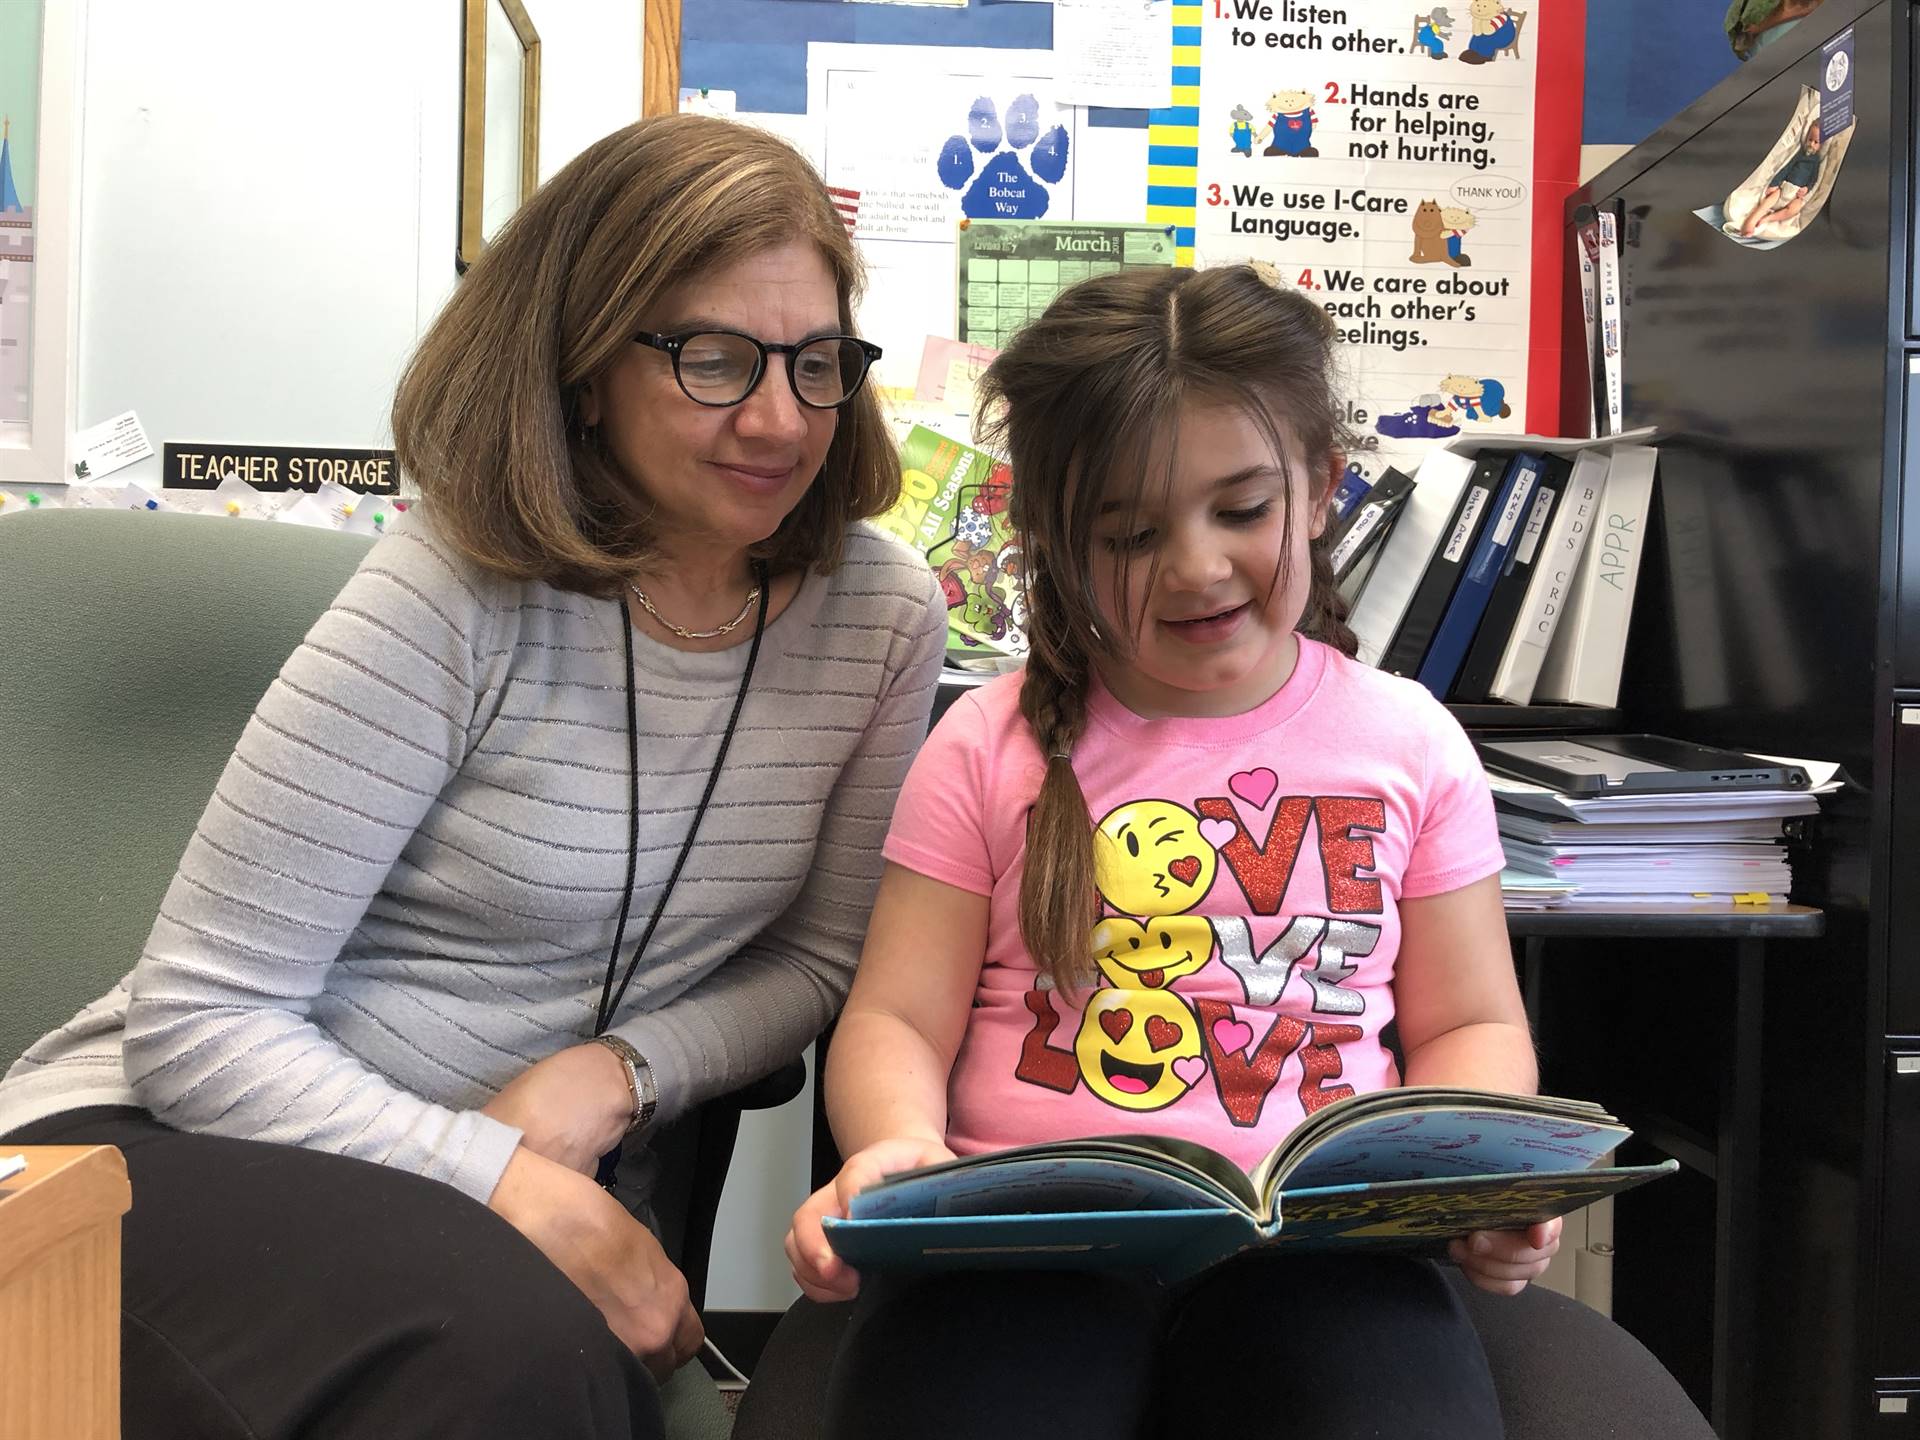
(949, 370)
(109, 446)
(930, 135)
(1381, 157)
(1112, 52)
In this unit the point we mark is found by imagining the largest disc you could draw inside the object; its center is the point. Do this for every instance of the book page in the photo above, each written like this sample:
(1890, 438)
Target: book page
(1056, 1184)
(1358, 1109)
(1442, 1141)
(1415, 1214)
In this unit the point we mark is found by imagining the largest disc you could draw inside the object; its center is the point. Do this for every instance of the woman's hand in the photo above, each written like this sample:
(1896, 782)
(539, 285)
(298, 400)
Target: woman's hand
(822, 1274)
(571, 1107)
(611, 1256)
(1506, 1261)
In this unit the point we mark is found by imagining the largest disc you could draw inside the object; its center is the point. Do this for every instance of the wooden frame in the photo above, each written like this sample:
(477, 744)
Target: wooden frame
(42, 455)
(473, 120)
(660, 57)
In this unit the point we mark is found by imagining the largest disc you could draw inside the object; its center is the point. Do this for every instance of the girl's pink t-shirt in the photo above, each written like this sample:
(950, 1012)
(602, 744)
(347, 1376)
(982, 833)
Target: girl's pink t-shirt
(1251, 869)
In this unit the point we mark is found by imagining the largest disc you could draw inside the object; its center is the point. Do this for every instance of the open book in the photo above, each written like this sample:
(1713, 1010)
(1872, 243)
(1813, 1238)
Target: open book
(1403, 1169)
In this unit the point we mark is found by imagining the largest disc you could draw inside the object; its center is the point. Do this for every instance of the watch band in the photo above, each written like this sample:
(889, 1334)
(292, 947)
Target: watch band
(639, 1080)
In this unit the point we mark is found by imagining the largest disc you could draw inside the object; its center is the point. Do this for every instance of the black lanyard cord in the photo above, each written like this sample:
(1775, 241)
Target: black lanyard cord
(609, 999)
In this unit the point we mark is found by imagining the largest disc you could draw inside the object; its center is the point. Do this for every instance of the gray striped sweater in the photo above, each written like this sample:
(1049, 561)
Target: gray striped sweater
(403, 890)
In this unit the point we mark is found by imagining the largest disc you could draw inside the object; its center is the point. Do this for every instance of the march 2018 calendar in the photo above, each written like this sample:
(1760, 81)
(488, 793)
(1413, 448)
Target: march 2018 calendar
(1009, 271)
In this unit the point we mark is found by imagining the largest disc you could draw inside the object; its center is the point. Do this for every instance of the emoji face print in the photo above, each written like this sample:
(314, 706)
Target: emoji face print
(1289, 102)
(1138, 1049)
(1151, 956)
(1149, 858)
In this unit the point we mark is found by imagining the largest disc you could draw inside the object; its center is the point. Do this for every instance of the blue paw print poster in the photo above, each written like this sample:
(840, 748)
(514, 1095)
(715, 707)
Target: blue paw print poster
(1005, 172)
(980, 138)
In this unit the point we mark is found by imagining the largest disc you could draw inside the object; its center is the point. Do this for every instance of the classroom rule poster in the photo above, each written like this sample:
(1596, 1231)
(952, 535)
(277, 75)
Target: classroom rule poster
(1407, 167)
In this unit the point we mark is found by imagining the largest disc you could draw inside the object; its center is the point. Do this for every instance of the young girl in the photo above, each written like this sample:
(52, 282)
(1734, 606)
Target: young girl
(1177, 876)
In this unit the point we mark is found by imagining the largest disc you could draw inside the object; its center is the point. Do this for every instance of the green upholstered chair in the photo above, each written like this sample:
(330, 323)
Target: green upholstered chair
(133, 648)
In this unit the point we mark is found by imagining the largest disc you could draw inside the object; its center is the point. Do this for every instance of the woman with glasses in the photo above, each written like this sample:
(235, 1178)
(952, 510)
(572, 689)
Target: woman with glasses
(563, 819)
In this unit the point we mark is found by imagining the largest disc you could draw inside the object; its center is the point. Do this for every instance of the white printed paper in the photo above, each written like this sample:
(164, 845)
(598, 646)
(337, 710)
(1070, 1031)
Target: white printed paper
(929, 136)
(109, 446)
(1112, 52)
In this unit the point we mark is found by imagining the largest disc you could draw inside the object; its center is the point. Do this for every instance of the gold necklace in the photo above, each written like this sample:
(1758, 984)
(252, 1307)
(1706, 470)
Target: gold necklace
(714, 634)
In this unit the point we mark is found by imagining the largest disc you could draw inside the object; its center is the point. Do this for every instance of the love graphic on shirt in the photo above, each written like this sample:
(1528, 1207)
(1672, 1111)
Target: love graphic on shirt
(1162, 1033)
(1041, 1064)
(1246, 1074)
(1232, 1035)
(1256, 787)
(1345, 825)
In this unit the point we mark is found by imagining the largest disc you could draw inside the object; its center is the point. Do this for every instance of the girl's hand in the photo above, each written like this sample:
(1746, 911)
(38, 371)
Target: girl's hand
(1506, 1261)
(571, 1107)
(819, 1272)
(611, 1256)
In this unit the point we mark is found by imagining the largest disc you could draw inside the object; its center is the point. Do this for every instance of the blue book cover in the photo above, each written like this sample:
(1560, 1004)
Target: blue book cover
(1455, 633)
(1397, 1170)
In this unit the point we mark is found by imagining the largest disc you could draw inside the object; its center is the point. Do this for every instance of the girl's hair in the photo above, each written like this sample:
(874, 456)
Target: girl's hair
(1078, 400)
(486, 420)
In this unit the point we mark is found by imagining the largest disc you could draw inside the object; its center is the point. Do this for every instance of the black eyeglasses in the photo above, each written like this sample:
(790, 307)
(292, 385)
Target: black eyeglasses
(721, 367)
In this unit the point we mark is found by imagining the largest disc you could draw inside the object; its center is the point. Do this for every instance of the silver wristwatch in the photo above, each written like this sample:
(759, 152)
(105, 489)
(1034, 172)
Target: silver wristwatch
(639, 1080)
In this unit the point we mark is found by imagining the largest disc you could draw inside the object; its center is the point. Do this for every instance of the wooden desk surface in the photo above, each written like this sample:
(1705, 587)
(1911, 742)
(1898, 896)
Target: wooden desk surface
(64, 1189)
(60, 1292)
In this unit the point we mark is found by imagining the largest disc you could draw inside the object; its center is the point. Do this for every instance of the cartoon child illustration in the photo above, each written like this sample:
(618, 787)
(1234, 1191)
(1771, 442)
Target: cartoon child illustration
(1791, 187)
(1242, 131)
(1429, 226)
(950, 571)
(1292, 124)
(1013, 596)
(1479, 399)
(1432, 33)
(971, 573)
(1493, 31)
(1429, 417)
(1458, 220)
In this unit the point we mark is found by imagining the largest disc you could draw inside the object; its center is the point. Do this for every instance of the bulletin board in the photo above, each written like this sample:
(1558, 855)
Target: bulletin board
(1407, 170)
(889, 101)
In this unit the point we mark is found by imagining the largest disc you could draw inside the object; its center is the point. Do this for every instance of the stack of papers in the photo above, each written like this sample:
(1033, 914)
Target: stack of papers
(1639, 849)
(1522, 891)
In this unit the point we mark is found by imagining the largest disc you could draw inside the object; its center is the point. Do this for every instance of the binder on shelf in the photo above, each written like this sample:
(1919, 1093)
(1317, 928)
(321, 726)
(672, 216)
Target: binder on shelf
(1353, 537)
(1423, 521)
(1550, 587)
(1490, 641)
(1429, 604)
(1454, 634)
(1353, 585)
(1583, 665)
(1351, 490)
